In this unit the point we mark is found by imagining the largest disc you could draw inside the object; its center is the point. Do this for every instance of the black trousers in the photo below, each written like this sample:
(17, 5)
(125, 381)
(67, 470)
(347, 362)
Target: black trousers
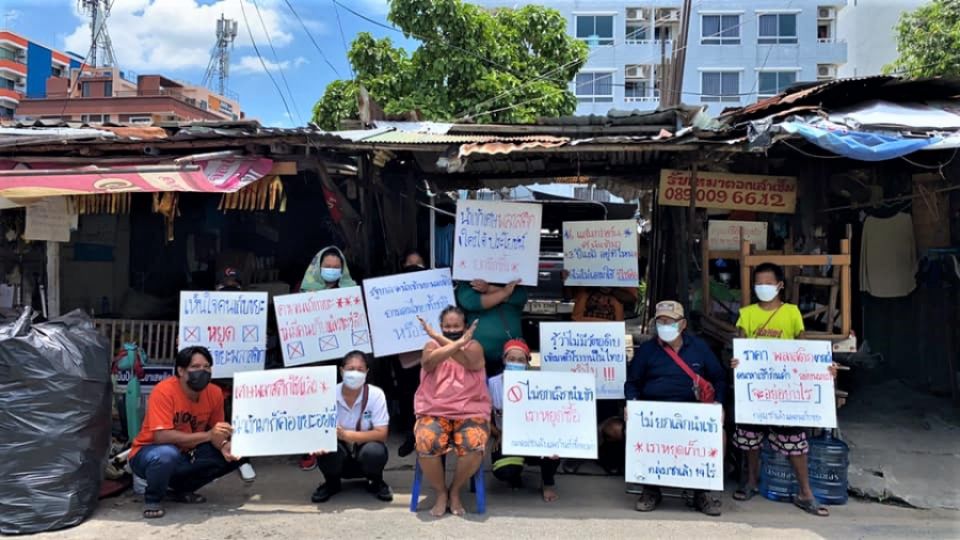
(512, 473)
(368, 462)
(408, 380)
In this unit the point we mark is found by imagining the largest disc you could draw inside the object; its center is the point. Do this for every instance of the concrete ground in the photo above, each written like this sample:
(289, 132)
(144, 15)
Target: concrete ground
(277, 505)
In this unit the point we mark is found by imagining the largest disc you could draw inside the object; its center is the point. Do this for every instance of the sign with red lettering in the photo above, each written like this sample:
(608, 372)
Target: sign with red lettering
(498, 242)
(675, 444)
(233, 325)
(759, 193)
(321, 325)
(549, 414)
(784, 382)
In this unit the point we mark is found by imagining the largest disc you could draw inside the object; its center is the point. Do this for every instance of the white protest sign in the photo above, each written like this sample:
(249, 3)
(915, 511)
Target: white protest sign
(395, 302)
(321, 325)
(598, 348)
(498, 242)
(726, 235)
(783, 382)
(49, 220)
(233, 325)
(549, 414)
(675, 444)
(601, 253)
(284, 411)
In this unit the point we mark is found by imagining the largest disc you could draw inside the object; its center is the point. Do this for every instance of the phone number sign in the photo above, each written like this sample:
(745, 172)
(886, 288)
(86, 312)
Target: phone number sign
(759, 193)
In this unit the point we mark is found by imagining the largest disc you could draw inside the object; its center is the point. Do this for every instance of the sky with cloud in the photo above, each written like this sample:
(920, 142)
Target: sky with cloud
(175, 37)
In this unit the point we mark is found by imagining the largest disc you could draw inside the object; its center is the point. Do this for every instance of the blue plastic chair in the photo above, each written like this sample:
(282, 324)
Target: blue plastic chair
(476, 486)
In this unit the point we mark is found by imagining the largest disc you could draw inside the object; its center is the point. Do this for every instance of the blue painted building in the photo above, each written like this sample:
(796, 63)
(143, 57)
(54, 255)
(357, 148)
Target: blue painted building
(25, 67)
(738, 51)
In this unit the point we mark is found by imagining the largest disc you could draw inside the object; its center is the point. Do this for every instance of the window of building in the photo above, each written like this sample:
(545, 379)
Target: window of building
(56, 71)
(85, 89)
(720, 86)
(720, 30)
(637, 84)
(778, 28)
(663, 33)
(594, 87)
(203, 105)
(595, 29)
(108, 89)
(7, 83)
(636, 31)
(7, 54)
(94, 118)
(6, 112)
(141, 120)
(771, 83)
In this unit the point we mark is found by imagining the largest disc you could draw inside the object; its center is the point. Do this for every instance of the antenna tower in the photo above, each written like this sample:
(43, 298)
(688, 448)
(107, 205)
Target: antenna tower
(101, 48)
(218, 70)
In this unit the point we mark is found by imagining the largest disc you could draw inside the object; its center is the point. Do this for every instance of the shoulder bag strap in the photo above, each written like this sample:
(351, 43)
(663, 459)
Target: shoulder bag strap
(679, 361)
(503, 320)
(363, 406)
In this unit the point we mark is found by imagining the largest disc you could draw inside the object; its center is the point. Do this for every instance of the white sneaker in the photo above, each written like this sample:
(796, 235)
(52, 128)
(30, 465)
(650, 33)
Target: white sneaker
(247, 473)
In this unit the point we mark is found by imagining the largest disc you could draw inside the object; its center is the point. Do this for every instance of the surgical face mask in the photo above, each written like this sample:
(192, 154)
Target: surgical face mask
(198, 380)
(668, 332)
(331, 275)
(413, 268)
(514, 366)
(453, 336)
(766, 293)
(354, 379)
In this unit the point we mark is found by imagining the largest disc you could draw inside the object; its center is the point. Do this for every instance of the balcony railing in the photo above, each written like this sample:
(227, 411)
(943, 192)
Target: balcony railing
(641, 99)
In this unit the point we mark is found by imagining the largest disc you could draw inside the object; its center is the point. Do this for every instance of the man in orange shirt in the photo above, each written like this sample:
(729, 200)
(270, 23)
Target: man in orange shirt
(184, 443)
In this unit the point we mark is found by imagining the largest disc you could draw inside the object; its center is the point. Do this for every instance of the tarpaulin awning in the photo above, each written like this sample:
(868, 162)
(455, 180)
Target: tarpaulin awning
(864, 146)
(20, 181)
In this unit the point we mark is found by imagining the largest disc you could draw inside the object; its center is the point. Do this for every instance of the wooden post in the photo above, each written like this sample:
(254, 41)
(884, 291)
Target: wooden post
(705, 273)
(745, 271)
(53, 279)
(846, 296)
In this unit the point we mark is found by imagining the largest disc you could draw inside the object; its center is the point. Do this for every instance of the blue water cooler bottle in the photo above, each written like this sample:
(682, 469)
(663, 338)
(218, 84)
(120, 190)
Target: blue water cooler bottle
(829, 458)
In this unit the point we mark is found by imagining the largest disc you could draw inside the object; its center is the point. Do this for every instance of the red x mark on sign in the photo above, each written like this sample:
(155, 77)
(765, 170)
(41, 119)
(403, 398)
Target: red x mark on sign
(191, 334)
(295, 350)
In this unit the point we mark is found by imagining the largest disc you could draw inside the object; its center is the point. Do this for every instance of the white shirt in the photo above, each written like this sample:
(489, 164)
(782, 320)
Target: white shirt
(374, 415)
(495, 388)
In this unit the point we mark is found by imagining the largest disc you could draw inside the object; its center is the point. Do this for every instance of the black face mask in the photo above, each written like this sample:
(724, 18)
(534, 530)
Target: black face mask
(412, 268)
(198, 380)
(453, 336)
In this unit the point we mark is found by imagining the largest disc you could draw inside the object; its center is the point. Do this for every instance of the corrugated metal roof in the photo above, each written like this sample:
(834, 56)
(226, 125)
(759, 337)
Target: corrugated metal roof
(407, 137)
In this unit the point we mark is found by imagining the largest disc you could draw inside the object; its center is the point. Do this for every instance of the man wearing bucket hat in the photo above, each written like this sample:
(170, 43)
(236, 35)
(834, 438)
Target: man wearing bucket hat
(655, 374)
(516, 356)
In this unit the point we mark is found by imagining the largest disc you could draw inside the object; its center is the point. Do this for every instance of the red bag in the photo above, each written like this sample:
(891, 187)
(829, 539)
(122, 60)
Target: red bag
(702, 389)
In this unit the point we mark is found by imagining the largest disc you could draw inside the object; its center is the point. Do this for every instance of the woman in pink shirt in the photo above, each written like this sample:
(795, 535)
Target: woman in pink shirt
(452, 407)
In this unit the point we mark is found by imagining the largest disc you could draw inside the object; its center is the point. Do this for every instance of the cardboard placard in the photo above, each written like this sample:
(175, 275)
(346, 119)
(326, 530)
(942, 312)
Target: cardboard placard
(601, 253)
(783, 382)
(321, 325)
(284, 411)
(498, 242)
(233, 325)
(726, 235)
(598, 348)
(395, 302)
(549, 414)
(675, 444)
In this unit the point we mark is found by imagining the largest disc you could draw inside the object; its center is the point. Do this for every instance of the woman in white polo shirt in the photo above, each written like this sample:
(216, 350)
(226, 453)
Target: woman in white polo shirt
(362, 422)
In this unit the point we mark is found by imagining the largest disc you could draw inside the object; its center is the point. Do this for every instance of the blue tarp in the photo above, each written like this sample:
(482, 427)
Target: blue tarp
(859, 145)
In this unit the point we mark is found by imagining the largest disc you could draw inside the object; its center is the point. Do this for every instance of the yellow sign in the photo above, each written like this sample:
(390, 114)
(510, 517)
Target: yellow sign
(759, 193)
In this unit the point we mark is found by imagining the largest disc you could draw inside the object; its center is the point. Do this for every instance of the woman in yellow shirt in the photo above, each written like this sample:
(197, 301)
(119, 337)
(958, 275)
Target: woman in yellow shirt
(772, 318)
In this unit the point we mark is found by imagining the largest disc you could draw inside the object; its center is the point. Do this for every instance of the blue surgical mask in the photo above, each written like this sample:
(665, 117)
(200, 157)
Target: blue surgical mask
(668, 332)
(354, 379)
(331, 275)
(513, 366)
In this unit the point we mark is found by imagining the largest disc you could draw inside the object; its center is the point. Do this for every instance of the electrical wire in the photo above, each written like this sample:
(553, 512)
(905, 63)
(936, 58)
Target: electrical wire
(343, 39)
(808, 154)
(312, 39)
(276, 58)
(263, 63)
(932, 167)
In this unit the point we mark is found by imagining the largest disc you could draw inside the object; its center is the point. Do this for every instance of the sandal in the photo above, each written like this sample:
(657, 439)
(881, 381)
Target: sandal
(743, 493)
(153, 511)
(811, 507)
(187, 498)
(648, 501)
(706, 504)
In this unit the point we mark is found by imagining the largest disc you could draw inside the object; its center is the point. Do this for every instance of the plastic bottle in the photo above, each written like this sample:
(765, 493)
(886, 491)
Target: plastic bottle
(777, 481)
(829, 458)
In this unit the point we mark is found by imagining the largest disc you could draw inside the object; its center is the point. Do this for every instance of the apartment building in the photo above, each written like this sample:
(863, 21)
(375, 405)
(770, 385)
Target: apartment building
(37, 82)
(25, 66)
(738, 51)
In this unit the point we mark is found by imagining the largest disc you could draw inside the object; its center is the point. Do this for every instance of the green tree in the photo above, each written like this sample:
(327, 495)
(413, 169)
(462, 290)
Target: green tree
(499, 65)
(928, 40)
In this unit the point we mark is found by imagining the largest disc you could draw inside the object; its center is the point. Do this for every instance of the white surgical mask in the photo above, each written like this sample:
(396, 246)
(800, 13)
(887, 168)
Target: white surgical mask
(668, 332)
(354, 379)
(766, 293)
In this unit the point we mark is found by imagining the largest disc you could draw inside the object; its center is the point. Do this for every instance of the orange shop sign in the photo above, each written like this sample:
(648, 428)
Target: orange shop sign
(759, 193)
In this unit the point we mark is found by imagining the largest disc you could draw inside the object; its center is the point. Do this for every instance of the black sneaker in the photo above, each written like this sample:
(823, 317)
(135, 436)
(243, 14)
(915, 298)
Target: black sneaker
(407, 447)
(325, 491)
(380, 490)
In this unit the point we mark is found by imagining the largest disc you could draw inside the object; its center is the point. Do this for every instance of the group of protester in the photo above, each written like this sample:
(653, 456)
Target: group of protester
(453, 393)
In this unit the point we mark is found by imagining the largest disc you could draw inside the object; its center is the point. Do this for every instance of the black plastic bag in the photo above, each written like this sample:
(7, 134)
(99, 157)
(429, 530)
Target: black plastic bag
(55, 420)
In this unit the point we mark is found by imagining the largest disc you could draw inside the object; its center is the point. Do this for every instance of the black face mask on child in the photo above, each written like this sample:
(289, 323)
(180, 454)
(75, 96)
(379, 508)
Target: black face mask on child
(453, 336)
